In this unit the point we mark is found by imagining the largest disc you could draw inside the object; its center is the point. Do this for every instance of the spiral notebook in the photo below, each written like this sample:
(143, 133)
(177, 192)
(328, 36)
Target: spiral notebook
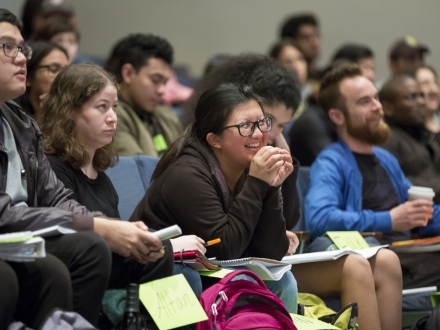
(267, 269)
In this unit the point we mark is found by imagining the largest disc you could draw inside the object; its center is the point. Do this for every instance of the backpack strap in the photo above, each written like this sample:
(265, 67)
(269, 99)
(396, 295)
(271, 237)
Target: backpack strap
(228, 278)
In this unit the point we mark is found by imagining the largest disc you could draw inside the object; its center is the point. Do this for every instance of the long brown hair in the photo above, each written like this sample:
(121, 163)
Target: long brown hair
(72, 88)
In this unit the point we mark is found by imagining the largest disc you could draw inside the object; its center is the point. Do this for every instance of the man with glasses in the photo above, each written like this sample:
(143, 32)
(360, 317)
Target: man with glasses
(76, 271)
(357, 186)
(410, 142)
(72, 276)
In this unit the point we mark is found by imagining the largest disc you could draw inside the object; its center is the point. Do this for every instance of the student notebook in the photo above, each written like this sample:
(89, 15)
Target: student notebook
(21, 246)
(267, 269)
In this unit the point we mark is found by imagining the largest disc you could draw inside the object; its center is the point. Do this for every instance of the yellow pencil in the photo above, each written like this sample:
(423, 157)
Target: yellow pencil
(212, 242)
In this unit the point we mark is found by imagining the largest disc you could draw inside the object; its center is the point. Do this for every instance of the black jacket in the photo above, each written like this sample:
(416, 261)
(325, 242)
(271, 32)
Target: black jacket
(192, 192)
(418, 154)
(49, 202)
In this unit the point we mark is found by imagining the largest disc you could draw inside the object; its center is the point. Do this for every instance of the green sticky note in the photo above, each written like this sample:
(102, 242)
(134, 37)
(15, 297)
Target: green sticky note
(159, 143)
(352, 239)
(307, 323)
(171, 302)
(435, 299)
(216, 273)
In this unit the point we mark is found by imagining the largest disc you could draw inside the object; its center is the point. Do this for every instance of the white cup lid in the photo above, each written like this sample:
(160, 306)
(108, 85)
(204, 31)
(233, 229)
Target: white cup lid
(421, 191)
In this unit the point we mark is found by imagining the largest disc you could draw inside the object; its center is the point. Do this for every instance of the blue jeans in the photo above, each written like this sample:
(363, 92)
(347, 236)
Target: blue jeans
(287, 290)
(191, 275)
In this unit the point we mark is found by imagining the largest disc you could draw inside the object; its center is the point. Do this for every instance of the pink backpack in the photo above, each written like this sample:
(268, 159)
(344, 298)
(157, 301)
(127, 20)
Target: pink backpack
(242, 304)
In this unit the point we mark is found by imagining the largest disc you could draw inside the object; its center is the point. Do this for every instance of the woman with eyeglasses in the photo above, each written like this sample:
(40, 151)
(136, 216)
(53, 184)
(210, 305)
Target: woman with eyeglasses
(219, 179)
(46, 62)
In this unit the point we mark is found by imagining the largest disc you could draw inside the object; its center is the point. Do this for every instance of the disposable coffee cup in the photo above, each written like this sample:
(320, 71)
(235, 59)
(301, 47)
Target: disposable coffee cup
(416, 192)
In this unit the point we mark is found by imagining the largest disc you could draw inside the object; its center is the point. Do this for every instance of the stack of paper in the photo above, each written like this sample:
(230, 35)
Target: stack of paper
(21, 246)
(330, 255)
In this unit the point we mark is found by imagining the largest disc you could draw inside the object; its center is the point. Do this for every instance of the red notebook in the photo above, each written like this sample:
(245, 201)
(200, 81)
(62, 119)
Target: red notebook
(196, 260)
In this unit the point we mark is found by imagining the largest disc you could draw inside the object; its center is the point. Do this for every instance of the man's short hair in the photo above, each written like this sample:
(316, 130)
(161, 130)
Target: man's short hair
(292, 25)
(267, 78)
(137, 49)
(8, 17)
(389, 91)
(330, 96)
(353, 53)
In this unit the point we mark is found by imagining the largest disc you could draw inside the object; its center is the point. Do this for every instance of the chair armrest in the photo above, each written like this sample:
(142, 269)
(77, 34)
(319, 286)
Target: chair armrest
(303, 236)
(376, 234)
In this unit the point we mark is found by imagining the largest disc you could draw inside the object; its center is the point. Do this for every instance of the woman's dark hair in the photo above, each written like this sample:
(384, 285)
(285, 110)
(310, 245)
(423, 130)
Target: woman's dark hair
(72, 88)
(212, 111)
(40, 49)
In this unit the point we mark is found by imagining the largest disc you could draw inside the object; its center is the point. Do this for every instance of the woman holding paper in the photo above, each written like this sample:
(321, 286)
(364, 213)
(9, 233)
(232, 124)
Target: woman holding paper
(78, 121)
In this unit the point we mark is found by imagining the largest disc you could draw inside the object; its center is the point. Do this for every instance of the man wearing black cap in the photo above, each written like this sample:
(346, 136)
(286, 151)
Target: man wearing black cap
(406, 55)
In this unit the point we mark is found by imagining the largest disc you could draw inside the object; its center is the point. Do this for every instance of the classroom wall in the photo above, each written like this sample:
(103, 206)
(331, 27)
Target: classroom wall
(199, 29)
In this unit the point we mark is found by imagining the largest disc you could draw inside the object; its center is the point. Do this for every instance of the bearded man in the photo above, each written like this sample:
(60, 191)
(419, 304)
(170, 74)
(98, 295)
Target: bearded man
(357, 186)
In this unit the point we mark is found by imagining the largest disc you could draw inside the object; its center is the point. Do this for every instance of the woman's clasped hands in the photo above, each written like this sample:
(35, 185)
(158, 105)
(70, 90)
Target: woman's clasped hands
(272, 165)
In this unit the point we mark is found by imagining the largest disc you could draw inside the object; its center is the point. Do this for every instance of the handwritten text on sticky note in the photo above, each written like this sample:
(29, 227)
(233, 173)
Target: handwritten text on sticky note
(171, 302)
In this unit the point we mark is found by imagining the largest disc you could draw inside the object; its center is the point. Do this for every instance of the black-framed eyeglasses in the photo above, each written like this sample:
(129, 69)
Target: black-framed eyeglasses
(11, 50)
(414, 96)
(248, 128)
(53, 68)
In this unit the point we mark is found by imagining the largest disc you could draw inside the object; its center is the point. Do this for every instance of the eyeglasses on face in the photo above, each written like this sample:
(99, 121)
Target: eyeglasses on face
(53, 68)
(11, 50)
(414, 96)
(248, 128)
